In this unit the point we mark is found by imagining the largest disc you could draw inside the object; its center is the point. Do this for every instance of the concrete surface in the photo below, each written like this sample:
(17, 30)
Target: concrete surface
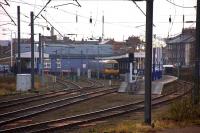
(157, 85)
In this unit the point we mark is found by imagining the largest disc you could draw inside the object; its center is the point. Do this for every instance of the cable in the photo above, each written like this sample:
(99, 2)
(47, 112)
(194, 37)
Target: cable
(42, 9)
(140, 9)
(6, 24)
(25, 3)
(15, 18)
(172, 21)
(179, 5)
(77, 3)
(51, 25)
(8, 14)
(65, 5)
(6, 3)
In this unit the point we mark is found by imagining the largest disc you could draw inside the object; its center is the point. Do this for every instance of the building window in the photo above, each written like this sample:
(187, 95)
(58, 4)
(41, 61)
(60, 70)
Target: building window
(58, 63)
(47, 63)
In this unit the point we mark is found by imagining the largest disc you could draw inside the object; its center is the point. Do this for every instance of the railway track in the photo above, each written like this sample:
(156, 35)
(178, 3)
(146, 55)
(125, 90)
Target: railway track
(12, 116)
(17, 101)
(21, 101)
(77, 120)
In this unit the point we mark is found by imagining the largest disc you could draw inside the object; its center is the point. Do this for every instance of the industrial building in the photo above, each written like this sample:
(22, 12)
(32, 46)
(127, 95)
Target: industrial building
(62, 56)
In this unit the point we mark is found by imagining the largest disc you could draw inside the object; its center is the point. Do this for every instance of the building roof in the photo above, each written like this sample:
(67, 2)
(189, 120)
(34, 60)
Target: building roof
(28, 55)
(73, 49)
(183, 38)
(187, 36)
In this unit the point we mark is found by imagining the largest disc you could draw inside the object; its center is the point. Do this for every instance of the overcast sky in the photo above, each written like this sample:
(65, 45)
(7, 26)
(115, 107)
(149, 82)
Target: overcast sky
(122, 18)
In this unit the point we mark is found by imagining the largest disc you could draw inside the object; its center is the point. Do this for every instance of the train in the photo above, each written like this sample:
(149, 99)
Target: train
(110, 68)
(106, 68)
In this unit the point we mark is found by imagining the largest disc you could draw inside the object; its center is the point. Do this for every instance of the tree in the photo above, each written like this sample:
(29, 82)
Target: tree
(133, 41)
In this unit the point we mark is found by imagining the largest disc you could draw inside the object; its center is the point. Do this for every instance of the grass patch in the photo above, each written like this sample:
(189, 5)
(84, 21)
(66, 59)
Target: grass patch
(127, 126)
(183, 110)
(130, 127)
(180, 113)
(7, 85)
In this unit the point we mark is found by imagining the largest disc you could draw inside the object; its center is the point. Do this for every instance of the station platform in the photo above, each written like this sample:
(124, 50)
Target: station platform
(157, 85)
(138, 87)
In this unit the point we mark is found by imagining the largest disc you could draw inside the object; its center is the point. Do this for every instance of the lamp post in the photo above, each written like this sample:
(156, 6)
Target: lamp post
(56, 53)
(36, 46)
(140, 48)
(42, 64)
(158, 44)
(11, 45)
(68, 58)
(98, 63)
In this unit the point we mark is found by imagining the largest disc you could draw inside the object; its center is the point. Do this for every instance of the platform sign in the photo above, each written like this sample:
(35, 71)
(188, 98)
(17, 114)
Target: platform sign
(84, 65)
(78, 72)
(139, 54)
(89, 74)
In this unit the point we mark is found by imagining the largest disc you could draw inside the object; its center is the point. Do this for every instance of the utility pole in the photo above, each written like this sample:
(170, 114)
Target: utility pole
(42, 63)
(154, 62)
(11, 51)
(98, 71)
(32, 50)
(195, 92)
(18, 41)
(102, 27)
(39, 53)
(183, 22)
(148, 61)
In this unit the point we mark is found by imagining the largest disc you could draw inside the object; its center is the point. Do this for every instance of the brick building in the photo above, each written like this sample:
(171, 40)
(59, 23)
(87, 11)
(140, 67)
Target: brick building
(180, 49)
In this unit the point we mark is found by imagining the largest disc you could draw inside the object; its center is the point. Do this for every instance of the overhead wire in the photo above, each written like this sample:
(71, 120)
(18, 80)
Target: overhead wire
(73, 13)
(24, 3)
(42, 9)
(140, 9)
(6, 3)
(172, 22)
(173, 3)
(51, 25)
(8, 14)
(37, 5)
(6, 24)
(77, 4)
(14, 18)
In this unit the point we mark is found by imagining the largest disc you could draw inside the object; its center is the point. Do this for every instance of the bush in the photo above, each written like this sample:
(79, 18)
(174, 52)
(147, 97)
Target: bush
(183, 110)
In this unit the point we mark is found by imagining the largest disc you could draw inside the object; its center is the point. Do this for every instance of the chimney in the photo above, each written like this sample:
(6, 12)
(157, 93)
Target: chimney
(52, 31)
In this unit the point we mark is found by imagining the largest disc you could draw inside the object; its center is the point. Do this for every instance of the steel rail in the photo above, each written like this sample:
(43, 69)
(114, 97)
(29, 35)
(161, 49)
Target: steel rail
(45, 124)
(17, 101)
(74, 123)
(53, 105)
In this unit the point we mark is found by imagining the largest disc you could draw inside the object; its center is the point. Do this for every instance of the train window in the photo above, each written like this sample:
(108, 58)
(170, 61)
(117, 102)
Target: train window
(115, 66)
(108, 66)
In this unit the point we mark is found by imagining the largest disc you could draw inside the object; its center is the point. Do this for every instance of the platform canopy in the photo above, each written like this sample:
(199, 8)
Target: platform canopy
(136, 55)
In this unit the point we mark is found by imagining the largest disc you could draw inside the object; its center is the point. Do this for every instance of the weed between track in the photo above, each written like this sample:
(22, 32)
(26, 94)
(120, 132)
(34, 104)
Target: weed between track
(7, 85)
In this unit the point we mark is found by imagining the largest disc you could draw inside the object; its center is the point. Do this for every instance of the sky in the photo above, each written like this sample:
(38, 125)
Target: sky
(122, 18)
